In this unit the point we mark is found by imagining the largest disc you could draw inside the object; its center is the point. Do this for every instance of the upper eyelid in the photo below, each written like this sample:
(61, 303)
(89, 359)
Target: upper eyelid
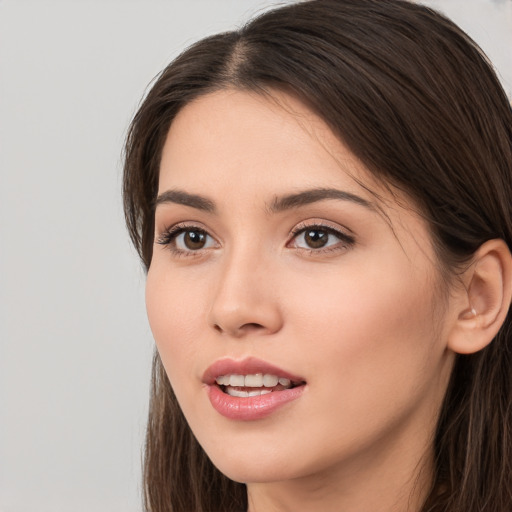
(182, 226)
(175, 230)
(317, 223)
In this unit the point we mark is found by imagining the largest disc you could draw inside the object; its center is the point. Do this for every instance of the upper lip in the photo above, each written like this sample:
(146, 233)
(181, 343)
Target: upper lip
(247, 366)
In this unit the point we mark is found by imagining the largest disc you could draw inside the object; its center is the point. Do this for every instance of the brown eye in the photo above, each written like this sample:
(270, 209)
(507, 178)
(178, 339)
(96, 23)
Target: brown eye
(194, 240)
(316, 238)
(186, 239)
(319, 238)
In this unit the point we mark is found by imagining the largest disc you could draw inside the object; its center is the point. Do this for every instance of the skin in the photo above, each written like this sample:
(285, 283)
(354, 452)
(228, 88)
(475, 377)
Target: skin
(364, 322)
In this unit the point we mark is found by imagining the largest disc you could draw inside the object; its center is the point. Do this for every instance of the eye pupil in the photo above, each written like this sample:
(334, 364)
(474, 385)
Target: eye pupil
(194, 240)
(316, 238)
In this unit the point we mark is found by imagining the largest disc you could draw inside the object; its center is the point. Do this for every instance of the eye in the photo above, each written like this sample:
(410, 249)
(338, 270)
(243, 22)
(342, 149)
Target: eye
(192, 240)
(317, 238)
(184, 239)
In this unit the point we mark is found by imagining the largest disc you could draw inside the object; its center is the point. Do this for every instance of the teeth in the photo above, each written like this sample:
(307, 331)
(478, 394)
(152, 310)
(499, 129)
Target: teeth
(244, 394)
(223, 380)
(256, 380)
(269, 381)
(237, 380)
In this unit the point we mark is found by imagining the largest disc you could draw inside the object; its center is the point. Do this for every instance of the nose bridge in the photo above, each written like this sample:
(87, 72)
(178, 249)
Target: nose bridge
(244, 300)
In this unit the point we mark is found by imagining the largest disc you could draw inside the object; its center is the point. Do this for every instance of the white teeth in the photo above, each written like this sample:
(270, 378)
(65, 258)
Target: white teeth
(223, 380)
(237, 380)
(245, 394)
(256, 380)
(269, 381)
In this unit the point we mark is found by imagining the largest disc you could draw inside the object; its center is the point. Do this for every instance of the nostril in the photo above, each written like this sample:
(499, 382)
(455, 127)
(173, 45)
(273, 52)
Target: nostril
(251, 326)
(248, 327)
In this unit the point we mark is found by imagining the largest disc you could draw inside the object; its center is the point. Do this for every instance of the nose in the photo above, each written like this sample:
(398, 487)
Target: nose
(245, 300)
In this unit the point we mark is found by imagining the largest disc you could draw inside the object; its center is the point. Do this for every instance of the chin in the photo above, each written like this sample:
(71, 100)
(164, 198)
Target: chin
(259, 464)
(255, 472)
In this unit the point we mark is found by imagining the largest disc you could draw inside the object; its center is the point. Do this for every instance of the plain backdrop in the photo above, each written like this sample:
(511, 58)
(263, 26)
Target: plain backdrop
(75, 346)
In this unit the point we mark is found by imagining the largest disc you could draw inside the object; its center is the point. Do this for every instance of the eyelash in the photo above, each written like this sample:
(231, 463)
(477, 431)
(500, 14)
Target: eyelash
(169, 236)
(345, 240)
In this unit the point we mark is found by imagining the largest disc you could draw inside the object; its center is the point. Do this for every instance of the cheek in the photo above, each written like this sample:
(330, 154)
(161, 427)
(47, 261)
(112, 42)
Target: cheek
(353, 304)
(371, 331)
(175, 313)
(372, 359)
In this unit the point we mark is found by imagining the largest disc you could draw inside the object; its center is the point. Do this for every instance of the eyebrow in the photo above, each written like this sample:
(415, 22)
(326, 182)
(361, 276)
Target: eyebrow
(186, 199)
(314, 195)
(279, 204)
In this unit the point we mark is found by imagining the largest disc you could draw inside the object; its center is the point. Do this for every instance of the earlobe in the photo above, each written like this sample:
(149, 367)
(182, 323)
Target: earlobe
(489, 292)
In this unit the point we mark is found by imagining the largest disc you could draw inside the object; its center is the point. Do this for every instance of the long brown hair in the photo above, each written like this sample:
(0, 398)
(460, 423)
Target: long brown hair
(416, 100)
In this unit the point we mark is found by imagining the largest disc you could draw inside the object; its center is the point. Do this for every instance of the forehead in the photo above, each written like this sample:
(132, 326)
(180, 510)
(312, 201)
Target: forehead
(254, 137)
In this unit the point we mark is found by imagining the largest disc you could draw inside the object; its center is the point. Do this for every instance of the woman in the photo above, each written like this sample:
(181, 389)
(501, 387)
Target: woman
(322, 203)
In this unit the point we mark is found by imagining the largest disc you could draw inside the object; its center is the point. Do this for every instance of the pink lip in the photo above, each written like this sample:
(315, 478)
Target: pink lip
(248, 408)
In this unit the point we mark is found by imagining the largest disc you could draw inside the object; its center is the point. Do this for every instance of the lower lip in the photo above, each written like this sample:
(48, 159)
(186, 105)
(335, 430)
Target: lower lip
(253, 407)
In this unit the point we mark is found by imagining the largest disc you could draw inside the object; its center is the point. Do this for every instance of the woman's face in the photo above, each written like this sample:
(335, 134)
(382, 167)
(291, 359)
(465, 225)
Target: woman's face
(272, 262)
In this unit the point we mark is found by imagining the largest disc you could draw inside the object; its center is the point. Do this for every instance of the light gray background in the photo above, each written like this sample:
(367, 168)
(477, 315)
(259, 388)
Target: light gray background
(75, 345)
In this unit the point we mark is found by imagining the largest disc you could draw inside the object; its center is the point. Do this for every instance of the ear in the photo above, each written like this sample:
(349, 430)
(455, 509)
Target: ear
(486, 301)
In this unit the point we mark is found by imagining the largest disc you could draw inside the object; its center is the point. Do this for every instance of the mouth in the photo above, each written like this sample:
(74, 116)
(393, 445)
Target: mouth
(255, 384)
(250, 389)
